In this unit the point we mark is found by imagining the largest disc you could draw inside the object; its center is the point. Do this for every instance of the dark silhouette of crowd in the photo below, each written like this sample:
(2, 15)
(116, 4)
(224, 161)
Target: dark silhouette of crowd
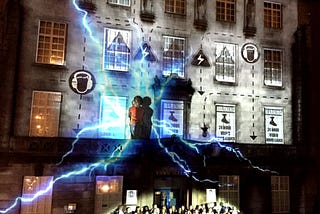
(214, 208)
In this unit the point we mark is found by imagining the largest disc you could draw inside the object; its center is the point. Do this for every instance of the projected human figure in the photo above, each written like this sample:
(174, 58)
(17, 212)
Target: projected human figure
(147, 115)
(136, 117)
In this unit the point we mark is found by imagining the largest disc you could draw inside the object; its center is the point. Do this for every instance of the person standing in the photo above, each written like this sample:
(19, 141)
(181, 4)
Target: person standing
(136, 117)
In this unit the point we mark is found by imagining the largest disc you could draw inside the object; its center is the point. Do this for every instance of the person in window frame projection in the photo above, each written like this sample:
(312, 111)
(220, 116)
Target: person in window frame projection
(136, 117)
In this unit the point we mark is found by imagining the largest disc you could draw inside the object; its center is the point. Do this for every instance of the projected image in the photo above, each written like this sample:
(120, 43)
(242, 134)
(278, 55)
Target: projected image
(113, 117)
(172, 115)
(274, 124)
(225, 123)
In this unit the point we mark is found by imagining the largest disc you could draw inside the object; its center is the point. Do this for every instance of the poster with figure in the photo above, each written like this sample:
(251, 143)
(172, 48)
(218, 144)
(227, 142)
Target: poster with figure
(225, 123)
(131, 197)
(171, 118)
(273, 117)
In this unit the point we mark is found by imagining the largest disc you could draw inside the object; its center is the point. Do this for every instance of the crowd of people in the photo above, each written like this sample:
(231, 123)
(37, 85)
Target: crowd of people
(215, 208)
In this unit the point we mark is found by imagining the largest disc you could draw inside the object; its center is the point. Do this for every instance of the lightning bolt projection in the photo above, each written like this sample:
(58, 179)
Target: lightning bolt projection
(119, 153)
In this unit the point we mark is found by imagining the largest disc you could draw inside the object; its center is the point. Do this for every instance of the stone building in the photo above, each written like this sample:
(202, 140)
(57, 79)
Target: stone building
(218, 78)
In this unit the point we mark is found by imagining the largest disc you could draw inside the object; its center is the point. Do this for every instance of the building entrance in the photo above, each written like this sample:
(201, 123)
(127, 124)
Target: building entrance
(166, 197)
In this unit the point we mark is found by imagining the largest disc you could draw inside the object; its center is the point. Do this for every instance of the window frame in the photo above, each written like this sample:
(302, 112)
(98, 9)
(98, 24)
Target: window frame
(224, 10)
(226, 75)
(280, 194)
(116, 65)
(117, 2)
(45, 118)
(169, 59)
(272, 67)
(171, 6)
(49, 43)
(272, 16)
(229, 189)
(31, 186)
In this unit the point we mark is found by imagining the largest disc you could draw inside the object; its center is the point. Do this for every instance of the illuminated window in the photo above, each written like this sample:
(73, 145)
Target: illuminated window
(175, 6)
(113, 117)
(117, 45)
(229, 190)
(172, 118)
(44, 121)
(225, 62)
(272, 15)
(108, 191)
(31, 186)
(226, 10)
(273, 117)
(120, 2)
(280, 194)
(51, 43)
(273, 67)
(173, 56)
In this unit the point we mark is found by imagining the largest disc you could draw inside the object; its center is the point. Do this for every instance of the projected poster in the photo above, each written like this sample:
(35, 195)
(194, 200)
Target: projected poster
(273, 117)
(172, 118)
(113, 117)
(225, 123)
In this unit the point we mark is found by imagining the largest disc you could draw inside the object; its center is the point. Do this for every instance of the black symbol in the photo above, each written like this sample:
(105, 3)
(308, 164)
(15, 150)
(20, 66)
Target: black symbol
(224, 119)
(172, 117)
(272, 122)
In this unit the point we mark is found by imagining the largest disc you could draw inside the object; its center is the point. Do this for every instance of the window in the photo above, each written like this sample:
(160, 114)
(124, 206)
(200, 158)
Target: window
(229, 190)
(272, 15)
(280, 194)
(113, 117)
(273, 67)
(31, 186)
(172, 118)
(117, 45)
(175, 6)
(273, 117)
(108, 190)
(51, 43)
(225, 62)
(120, 2)
(44, 121)
(226, 10)
(173, 56)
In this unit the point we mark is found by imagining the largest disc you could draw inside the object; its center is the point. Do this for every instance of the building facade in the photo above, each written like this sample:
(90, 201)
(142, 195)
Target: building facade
(217, 80)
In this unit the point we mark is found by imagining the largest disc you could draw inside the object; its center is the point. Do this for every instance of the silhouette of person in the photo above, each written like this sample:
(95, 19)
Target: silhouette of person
(147, 115)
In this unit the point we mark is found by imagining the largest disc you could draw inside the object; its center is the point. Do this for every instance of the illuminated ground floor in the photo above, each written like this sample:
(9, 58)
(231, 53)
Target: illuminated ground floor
(253, 181)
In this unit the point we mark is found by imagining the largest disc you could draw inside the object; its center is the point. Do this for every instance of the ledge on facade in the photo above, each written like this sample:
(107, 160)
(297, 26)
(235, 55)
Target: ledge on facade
(147, 16)
(200, 24)
(249, 31)
(87, 6)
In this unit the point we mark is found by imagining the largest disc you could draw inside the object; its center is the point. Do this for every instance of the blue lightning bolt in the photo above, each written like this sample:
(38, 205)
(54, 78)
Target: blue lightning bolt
(84, 21)
(118, 153)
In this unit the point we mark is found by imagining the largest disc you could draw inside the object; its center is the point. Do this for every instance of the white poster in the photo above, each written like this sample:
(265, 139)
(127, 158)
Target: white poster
(131, 198)
(172, 118)
(273, 117)
(225, 123)
(211, 195)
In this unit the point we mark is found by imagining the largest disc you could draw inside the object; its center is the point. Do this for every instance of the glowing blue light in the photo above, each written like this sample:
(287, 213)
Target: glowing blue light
(84, 21)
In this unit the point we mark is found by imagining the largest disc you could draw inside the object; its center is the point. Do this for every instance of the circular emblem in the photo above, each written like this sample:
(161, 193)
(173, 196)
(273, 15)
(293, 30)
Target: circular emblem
(250, 52)
(82, 82)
